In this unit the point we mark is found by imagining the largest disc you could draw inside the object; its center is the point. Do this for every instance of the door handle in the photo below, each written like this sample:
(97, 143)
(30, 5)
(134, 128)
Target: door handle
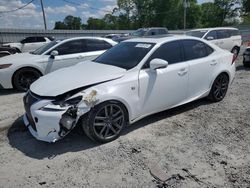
(213, 63)
(182, 72)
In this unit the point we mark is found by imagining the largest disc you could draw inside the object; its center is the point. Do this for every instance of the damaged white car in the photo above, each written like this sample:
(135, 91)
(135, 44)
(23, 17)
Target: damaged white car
(134, 79)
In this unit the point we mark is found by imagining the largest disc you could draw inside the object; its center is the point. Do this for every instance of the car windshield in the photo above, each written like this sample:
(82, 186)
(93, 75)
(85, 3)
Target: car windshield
(198, 34)
(44, 48)
(126, 54)
(139, 32)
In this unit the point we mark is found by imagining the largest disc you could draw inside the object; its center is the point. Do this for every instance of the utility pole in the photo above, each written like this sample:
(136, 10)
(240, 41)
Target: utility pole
(44, 19)
(185, 13)
(186, 4)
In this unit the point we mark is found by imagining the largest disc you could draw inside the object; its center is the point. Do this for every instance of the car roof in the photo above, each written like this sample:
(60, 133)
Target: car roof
(77, 38)
(160, 38)
(214, 28)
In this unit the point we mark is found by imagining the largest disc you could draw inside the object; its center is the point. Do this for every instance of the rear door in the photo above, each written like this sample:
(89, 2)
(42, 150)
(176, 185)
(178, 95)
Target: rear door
(166, 87)
(223, 40)
(202, 63)
(40, 41)
(28, 44)
(95, 47)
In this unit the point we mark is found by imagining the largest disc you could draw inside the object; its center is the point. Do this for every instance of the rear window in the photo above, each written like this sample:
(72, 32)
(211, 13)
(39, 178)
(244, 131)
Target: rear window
(221, 34)
(234, 32)
(194, 49)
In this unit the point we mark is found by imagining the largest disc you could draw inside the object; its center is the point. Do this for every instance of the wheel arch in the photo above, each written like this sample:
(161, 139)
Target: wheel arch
(121, 102)
(236, 46)
(20, 68)
(222, 72)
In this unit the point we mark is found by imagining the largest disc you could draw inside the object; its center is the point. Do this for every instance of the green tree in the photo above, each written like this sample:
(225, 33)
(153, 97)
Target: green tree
(70, 23)
(227, 11)
(95, 23)
(59, 25)
(246, 6)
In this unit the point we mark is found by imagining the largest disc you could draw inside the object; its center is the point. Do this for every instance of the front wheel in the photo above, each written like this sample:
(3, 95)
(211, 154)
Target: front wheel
(23, 78)
(219, 88)
(105, 121)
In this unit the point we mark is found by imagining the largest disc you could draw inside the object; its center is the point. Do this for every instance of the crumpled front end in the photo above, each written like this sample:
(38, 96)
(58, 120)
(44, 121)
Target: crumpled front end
(50, 120)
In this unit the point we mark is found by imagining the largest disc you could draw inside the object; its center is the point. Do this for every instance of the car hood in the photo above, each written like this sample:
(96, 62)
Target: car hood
(19, 58)
(75, 77)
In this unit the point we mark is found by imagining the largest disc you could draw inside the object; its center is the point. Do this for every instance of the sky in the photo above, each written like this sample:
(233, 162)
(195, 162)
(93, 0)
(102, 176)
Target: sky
(55, 10)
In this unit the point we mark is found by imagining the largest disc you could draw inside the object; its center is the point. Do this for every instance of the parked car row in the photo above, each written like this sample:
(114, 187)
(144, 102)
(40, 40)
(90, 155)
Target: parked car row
(131, 80)
(20, 70)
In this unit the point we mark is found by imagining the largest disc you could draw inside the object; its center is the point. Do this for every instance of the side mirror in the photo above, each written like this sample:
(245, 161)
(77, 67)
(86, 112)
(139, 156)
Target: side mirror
(158, 64)
(210, 38)
(53, 54)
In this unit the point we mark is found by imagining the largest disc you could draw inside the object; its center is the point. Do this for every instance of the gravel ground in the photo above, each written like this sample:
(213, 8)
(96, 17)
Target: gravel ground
(200, 144)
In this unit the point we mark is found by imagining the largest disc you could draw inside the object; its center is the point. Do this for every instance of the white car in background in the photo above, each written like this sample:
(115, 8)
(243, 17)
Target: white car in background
(29, 44)
(228, 38)
(20, 70)
(134, 79)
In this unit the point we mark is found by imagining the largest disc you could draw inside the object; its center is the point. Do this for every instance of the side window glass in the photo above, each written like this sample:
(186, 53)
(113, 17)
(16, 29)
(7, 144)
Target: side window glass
(71, 47)
(234, 32)
(212, 35)
(195, 49)
(171, 52)
(162, 31)
(153, 32)
(221, 34)
(29, 40)
(97, 45)
(40, 39)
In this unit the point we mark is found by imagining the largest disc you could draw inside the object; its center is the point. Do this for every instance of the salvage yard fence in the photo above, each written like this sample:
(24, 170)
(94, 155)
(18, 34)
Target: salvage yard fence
(15, 35)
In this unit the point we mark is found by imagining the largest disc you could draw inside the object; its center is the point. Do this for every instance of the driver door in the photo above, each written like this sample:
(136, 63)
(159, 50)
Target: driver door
(167, 87)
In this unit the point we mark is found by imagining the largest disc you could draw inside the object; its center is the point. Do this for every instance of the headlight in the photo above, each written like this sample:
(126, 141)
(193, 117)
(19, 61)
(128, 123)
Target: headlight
(70, 102)
(4, 66)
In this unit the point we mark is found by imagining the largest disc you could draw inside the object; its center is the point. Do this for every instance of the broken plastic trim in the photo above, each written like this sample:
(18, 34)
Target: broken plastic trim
(68, 121)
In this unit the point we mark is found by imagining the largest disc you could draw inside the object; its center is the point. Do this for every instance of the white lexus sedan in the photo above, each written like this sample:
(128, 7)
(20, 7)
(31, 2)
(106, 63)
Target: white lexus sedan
(134, 79)
(20, 70)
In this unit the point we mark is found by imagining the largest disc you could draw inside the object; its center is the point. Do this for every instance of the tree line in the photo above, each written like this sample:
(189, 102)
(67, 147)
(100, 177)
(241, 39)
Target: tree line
(133, 14)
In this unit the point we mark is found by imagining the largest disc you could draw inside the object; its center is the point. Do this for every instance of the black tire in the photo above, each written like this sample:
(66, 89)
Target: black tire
(246, 64)
(219, 88)
(235, 51)
(24, 77)
(105, 121)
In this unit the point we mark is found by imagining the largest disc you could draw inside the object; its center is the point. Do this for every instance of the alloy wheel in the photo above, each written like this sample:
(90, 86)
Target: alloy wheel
(108, 121)
(220, 87)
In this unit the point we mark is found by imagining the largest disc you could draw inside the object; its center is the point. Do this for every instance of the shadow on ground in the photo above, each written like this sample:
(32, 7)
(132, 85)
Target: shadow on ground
(20, 138)
(8, 91)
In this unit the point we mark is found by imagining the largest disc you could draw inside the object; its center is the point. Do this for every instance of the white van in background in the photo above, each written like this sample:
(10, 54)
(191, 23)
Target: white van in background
(228, 38)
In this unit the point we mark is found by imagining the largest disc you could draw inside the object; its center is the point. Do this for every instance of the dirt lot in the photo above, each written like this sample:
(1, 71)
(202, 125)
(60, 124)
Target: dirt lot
(200, 144)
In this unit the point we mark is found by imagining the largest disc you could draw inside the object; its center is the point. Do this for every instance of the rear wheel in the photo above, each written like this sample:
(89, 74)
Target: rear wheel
(245, 63)
(219, 88)
(105, 121)
(23, 78)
